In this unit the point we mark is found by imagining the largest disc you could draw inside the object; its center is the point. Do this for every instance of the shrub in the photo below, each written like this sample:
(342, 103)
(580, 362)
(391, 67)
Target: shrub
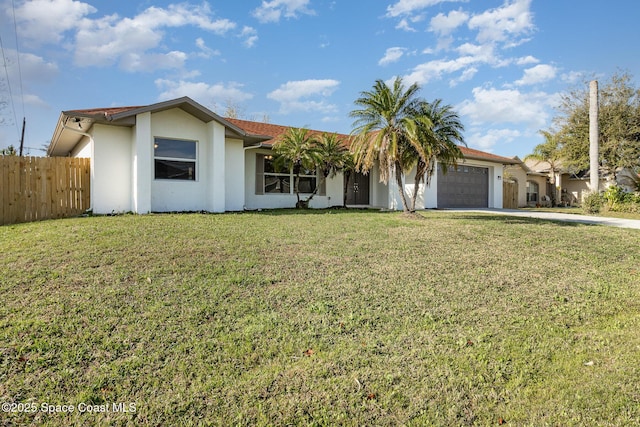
(592, 203)
(617, 200)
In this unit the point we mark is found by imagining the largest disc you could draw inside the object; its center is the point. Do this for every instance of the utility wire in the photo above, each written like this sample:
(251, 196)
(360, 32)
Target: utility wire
(6, 70)
(15, 29)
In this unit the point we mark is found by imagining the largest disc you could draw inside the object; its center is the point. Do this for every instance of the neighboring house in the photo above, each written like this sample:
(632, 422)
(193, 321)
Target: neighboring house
(532, 185)
(570, 187)
(180, 156)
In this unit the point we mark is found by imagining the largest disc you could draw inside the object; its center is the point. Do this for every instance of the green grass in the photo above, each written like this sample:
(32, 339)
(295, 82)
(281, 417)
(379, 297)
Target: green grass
(321, 318)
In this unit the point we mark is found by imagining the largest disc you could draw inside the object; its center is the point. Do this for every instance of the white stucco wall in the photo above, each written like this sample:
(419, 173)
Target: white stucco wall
(177, 195)
(110, 169)
(333, 194)
(234, 175)
(378, 191)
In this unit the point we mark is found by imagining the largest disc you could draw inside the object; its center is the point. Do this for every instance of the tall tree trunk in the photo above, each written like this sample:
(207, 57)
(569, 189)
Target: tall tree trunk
(296, 182)
(552, 181)
(323, 178)
(398, 173)
(420, 170)
(346, 176)
(593, 136)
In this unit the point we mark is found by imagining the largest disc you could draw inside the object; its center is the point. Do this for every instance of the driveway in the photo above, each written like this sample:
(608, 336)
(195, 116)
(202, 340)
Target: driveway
(553, 216)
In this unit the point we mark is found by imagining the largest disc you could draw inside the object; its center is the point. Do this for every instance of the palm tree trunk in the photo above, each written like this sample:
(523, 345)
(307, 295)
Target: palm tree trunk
(346, 176)
(398, 173)
(323, 178)
(420, 170)
(296, 183)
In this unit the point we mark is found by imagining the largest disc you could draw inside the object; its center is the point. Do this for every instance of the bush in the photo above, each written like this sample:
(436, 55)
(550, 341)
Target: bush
(617, 200)
(592, 203)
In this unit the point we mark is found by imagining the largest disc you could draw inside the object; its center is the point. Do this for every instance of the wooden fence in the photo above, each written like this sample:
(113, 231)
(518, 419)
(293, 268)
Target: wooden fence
(509, 195)
(37, 188)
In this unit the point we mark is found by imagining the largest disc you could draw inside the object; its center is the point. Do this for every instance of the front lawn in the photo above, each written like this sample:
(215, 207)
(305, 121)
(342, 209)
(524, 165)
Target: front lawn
(580, 211)
(319, 318)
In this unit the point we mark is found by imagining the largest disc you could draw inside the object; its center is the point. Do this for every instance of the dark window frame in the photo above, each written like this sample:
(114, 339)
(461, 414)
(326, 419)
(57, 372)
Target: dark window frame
(175, 166)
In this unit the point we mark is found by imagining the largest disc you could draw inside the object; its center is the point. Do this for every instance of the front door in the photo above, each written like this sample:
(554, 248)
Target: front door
(358, 189)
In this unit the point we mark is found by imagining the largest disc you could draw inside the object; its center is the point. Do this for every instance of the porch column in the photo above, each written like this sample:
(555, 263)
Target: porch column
(142, 164)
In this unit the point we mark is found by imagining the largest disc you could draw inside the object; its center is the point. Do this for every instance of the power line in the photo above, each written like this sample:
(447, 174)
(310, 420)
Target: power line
(6, 71)
(15, 29)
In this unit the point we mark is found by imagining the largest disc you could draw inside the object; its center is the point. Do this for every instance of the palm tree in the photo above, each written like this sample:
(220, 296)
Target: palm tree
(549, 151)
(381, 130)
(348, 168)
(296, 150)
(331, 156)
(438, 131)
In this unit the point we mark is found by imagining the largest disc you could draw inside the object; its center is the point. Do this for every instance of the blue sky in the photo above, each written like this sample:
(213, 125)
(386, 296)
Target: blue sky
(501, 64)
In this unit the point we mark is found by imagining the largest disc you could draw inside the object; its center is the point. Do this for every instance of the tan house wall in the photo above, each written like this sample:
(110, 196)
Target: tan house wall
(542, 187)
(519, 175)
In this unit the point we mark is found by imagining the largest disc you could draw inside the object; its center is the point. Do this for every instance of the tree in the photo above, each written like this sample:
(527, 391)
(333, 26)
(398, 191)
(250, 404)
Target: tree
(438, 132)
(382, 130)
(332, 156)
(298, 150)
(549, 151)
(618, 121)
(9, 151)
(348, 169)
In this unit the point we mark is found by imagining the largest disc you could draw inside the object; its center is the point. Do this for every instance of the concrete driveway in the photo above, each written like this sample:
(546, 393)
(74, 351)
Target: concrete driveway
(553, 216)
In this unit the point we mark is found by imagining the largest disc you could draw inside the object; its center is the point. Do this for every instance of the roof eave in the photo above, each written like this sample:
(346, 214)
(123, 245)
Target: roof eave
(502, 161)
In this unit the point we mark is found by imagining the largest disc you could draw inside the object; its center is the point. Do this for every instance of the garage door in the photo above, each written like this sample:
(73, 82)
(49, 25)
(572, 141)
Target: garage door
(463, 187)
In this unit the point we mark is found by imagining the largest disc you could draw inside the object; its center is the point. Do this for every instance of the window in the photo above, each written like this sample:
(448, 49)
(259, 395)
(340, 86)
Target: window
(175, 159)
(307, 180)
(275, 180)
(532, 191)
(272, 180)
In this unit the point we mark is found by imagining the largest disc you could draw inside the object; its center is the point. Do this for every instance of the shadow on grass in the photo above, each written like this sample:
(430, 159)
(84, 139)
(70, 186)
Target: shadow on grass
(507, 220)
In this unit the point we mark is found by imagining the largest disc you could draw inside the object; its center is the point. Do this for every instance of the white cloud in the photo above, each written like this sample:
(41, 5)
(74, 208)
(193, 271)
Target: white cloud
(272, 11)
(112, 39)
(466, 75)
(433, 70)
(487, 140)
(45, 21)
(393, 54)
(482, 53)
(250, 36)
(404, 25)
(408, 7)
(572, 77)
(538, 74)
(134, 62)
(34, 101)
(445, 24)
(205, 51)
(294, 95)
(526, 60)
(204, 93)
(504, 24)
(490, 105)
(33, 68)
(471, 56)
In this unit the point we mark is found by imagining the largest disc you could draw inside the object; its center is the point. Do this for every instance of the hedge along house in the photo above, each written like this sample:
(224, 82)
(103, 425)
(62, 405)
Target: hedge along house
(179, 156)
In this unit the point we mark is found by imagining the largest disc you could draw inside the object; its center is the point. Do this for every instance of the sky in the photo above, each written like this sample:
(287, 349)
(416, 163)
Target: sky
(501, 64)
